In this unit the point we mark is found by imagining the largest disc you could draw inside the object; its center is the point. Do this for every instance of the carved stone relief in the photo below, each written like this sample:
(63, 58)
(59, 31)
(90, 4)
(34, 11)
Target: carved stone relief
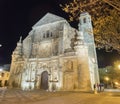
(34, 49)
(45, 50)
(68, 65)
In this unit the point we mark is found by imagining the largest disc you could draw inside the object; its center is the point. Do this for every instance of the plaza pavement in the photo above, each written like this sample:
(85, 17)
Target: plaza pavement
(16, 96)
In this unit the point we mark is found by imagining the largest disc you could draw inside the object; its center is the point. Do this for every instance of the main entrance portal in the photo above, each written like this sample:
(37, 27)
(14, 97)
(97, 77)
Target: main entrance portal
(44, 80)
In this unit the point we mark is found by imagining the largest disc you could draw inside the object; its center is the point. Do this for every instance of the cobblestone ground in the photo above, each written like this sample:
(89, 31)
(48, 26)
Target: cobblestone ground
(10, 96)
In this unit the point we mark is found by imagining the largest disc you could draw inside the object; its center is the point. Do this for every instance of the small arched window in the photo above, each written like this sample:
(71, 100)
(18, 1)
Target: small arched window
(84, 20)
(43, 35)
(51, 34)
(47, 34)
(89, 20)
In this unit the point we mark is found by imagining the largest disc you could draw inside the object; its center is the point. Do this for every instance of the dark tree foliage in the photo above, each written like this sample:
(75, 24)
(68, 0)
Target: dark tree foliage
(105, 17)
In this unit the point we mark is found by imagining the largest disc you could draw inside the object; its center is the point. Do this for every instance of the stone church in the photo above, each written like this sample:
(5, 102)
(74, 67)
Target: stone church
(56, 56)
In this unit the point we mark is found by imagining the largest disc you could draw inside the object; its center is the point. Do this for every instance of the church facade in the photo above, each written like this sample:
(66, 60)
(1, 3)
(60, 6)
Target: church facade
(56, 56)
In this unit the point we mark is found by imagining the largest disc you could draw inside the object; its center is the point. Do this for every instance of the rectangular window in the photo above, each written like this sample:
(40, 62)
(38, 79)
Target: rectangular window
(2, 74)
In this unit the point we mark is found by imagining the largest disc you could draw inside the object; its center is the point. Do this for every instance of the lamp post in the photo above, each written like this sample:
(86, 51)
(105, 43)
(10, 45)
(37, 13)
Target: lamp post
(107, 79)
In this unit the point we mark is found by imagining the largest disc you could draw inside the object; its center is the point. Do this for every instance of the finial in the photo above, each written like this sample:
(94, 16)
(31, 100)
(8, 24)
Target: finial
(20, 39)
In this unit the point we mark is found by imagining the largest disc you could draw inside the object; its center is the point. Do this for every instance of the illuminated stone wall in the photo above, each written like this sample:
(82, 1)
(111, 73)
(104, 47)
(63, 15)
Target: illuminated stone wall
(54, 56)
(4, 77)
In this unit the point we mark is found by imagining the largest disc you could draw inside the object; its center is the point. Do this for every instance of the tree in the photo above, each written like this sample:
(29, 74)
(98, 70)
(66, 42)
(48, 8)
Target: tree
(107, 31)
(103, 73)
(105, 17)
(111, 72)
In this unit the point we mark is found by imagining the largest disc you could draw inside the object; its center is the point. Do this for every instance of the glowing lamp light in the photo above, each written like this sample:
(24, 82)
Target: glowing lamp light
(106, 78)
(116, 83)
(119, 66)
(0, 45)
(1, 69)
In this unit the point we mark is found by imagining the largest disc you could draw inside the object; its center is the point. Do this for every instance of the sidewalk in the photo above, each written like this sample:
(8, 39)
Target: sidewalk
(112, 90)
(16, 96)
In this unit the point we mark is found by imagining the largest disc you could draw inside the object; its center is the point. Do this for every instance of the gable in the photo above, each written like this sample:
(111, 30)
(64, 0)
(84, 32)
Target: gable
(48, 18)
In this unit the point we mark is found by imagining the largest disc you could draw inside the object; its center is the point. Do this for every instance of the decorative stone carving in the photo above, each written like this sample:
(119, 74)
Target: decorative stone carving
(68, 65)
(44, 50)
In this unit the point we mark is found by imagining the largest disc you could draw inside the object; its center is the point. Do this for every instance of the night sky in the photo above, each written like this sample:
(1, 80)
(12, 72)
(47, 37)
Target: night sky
(18, 16)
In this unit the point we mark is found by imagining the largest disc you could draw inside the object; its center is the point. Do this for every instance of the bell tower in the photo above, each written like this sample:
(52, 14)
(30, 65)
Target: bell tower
(85, 25)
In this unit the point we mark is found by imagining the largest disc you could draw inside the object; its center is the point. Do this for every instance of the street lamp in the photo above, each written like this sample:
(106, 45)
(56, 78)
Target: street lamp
(118, 66)
(107, 79)
(116, 83)
(0, 45)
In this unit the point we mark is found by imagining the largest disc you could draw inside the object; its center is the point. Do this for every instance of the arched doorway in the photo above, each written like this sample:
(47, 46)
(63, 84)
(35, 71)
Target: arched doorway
(44, 80)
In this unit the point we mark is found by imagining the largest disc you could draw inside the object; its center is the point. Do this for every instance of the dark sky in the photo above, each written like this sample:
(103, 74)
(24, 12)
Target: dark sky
(16, 19)
(18, 16)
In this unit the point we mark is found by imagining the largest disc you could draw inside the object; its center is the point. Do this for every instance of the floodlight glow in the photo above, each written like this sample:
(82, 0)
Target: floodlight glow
(106, 78)
(1, 69)
(116, 83)
(119, 66)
